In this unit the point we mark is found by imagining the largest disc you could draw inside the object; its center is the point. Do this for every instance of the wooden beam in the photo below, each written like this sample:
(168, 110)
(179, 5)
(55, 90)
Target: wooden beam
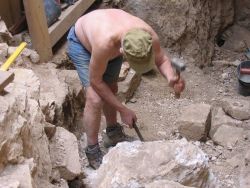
(67, 19)
(38, 29)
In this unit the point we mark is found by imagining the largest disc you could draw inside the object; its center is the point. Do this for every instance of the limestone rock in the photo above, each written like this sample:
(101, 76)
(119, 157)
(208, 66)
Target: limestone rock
(22, 133)
(64, 154)
(16, 176)
(3, 52)
(228, 136)
(238, 109)
(138, 164)
(124, 71)
(219, 118)
(195, 121)
(127, 87)
(5, 35)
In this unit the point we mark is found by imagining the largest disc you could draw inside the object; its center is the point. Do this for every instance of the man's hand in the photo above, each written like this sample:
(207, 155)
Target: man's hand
(177, 83)
(128, 117)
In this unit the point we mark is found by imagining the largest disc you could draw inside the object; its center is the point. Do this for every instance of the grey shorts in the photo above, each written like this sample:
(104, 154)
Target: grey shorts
(80, 56)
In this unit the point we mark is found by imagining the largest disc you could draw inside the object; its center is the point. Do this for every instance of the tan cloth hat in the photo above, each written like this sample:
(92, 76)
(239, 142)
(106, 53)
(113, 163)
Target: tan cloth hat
(137, 48)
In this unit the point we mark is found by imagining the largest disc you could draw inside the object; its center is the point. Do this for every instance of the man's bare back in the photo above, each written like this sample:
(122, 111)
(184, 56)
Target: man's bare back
(103, 28)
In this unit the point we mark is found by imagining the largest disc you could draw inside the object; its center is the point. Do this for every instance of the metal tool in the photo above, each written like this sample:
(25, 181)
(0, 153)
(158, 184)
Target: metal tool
(179, 66)
(138, 132)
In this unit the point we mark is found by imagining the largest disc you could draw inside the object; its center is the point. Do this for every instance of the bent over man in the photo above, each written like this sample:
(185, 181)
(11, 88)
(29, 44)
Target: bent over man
(97, 44)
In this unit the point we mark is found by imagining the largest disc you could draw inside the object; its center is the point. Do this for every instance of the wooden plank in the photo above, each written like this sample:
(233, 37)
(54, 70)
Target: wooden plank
(5, 78)
(68, 18)
(37, 23)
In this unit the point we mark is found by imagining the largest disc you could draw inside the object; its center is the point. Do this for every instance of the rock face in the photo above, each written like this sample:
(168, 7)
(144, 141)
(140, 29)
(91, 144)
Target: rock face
(195, 121)
(186, 26)
(138, 164)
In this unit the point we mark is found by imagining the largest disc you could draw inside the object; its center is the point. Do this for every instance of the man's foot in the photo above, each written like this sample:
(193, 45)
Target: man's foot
(114, 135)
(94, 155)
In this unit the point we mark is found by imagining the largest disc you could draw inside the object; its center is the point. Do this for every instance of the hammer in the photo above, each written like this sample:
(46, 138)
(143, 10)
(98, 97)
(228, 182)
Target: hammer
(179, 66)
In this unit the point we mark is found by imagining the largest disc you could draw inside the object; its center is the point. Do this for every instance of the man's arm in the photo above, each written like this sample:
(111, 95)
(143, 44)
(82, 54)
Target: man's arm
(164, 65)
(98, 64)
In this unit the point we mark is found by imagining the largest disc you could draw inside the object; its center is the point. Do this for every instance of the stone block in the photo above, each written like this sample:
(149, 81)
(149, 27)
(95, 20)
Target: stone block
(127, 87)
(195, 122)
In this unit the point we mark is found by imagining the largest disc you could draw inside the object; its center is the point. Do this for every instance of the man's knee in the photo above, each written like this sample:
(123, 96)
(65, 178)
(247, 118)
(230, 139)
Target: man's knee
(94, 101)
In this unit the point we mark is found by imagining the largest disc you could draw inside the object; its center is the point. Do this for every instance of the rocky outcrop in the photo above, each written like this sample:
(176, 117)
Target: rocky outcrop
(185, 26)
(27, 157)
(22, 131)
(138, 164)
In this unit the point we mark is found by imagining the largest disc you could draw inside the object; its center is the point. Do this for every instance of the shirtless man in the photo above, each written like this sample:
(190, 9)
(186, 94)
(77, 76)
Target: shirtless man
(96, 45)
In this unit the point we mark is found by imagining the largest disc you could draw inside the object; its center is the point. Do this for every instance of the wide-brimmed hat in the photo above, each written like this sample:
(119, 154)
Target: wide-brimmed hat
(138, 51)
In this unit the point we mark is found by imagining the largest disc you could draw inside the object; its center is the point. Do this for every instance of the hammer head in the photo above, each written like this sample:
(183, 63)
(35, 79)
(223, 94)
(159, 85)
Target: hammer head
(178, 64)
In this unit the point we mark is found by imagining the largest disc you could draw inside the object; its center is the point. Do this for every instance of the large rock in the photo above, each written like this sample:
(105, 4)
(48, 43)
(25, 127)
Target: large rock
(228, 136)
(138, 164)
(185, 26)
(195, 121)
(219, 118)
(238, 109)
(64, 154)
(22, 133)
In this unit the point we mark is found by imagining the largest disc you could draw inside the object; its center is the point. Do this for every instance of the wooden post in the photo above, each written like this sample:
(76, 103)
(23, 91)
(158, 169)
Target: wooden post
(38, 29)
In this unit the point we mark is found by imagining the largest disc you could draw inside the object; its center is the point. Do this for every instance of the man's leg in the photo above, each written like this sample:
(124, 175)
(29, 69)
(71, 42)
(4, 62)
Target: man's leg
(92, 115)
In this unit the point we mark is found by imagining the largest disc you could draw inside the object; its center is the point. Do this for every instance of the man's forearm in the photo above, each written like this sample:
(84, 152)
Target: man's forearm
(107, 95)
